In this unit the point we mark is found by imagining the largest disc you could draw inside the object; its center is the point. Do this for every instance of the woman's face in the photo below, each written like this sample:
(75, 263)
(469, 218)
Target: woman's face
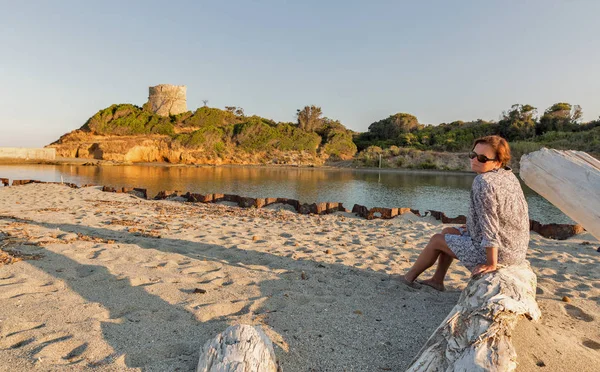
(488, 151)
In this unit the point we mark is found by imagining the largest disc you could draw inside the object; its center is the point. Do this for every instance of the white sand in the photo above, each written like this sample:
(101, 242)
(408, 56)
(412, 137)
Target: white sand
(120, 296)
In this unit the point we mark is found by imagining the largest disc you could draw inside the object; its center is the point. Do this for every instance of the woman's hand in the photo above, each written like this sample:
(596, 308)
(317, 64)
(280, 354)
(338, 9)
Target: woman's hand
(484, 268)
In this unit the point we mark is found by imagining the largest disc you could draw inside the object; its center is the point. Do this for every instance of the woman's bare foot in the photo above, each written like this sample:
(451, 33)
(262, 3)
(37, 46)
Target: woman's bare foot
(433, 284)
(407, 282)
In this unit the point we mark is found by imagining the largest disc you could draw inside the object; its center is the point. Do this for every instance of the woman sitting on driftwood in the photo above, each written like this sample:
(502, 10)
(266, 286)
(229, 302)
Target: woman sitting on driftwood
(497, 230)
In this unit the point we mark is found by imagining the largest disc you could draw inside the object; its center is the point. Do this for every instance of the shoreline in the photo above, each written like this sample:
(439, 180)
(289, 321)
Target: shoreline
(81, 161)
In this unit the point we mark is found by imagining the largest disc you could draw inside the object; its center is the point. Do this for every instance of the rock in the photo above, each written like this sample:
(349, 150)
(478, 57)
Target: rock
(259, 203)
(199, 198)
(166, 194)
(218, 198)
(555, 230)
(360, 210)
(255, 237)
(269, 201)
(328, 251)
(333, 207)
(231, 198)
(294, 203)
(445, 219)
(415, 211)
(303, 276)
(4, 181)
(199, 290)
(304, 209)
(245, 202)
(318, 208)
(385, 213)
(566, 299)
(108, 189)
(142, 193)
(23, 182)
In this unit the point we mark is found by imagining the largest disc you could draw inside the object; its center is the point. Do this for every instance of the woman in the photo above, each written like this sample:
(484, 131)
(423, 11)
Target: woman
(497, 230)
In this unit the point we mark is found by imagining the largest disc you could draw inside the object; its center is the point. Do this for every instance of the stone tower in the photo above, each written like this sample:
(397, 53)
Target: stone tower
(167, 99)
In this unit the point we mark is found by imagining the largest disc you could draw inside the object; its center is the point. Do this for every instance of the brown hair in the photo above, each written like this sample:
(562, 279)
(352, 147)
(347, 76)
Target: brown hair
(499, 145)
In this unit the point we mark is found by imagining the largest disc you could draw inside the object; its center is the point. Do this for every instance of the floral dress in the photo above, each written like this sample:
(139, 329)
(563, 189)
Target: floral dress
(498, 217)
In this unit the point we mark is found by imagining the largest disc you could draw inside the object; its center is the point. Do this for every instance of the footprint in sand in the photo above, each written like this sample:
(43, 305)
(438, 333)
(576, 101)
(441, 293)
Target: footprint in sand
(76, 351)
(95, 254)
(591, 344)
(144, 281)
(85, 271)
(578, 313)
(22, 343)
(15, 329)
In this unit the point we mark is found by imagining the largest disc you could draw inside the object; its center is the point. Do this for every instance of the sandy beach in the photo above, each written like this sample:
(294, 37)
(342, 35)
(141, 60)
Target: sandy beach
(101, 281)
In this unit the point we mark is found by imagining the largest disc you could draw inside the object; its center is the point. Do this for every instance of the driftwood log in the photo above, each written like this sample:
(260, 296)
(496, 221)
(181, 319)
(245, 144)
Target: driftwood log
(475, 336)
(568, 179)
(240, 348)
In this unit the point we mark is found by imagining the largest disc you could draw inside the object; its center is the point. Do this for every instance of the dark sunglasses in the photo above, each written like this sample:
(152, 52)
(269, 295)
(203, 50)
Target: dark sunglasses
(480, 158)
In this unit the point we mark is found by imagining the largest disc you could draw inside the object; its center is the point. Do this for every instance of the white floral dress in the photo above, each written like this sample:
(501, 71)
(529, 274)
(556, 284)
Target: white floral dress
(498, 217)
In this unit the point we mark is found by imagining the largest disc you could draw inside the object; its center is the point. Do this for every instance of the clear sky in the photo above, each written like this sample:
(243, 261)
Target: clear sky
(361, 61)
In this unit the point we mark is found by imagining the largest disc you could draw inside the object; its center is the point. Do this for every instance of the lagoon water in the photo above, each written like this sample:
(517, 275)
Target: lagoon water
(446, 192)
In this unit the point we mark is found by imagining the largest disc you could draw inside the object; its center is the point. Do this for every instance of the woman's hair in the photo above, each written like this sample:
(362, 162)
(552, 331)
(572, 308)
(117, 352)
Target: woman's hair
(499, 145)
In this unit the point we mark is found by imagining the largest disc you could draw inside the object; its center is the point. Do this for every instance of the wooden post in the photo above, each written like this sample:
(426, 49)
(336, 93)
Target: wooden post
(475, 336)
(240, 348)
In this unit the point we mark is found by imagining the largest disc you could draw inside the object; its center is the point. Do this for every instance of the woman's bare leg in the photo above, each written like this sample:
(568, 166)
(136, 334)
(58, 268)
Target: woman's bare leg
(444, 262)
(434, 249)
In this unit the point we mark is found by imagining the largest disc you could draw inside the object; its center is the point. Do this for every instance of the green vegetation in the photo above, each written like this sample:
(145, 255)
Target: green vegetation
(399, 139)
(218, 131)
(559, 127)
(123, 120)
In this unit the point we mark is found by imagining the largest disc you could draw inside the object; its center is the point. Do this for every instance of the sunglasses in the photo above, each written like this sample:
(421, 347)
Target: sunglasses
(480, 158)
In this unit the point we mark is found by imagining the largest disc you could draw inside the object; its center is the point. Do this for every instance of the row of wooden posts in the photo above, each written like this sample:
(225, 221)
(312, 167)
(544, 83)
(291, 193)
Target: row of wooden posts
(552, 231)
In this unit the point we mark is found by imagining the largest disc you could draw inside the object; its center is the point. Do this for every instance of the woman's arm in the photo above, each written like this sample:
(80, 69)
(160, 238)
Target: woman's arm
(485, 201)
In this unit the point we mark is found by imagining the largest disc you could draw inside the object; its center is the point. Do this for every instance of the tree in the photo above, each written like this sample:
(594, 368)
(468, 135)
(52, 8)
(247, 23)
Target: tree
(518, 123)
(394, 126)
(309, 118)
(561, 117)
(205, 101)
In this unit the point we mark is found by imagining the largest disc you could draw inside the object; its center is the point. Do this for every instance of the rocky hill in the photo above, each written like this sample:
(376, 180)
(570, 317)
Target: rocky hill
(128, 133)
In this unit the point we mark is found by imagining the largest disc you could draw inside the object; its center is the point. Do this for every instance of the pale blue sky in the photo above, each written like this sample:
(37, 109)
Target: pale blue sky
(360, 61)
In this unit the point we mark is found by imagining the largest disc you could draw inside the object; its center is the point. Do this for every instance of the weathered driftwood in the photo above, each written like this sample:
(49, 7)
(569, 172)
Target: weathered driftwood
(475, 336)
(240, 348)
(568, 179)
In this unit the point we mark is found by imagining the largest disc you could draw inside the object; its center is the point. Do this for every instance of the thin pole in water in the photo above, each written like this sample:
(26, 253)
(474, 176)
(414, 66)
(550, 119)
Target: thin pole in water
(379, 160)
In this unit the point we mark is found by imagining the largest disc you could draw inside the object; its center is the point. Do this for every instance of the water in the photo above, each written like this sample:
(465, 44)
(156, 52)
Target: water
(444, 192)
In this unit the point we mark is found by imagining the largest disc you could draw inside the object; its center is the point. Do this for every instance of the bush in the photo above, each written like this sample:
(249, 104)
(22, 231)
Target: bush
(210, 117)
(126, 119)
(427, 165)
(208, 138)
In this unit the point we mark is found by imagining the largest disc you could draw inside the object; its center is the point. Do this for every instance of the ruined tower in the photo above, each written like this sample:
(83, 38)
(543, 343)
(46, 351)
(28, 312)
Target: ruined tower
(166, 99)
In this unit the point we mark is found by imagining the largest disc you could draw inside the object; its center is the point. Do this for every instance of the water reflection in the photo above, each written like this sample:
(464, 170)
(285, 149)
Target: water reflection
(439, 191)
